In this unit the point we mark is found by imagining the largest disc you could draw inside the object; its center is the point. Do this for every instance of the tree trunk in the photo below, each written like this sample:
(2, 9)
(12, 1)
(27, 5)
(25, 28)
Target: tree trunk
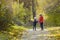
(33, 8)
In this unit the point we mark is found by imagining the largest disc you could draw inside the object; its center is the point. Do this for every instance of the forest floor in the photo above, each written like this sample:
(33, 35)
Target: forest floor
(40, 34)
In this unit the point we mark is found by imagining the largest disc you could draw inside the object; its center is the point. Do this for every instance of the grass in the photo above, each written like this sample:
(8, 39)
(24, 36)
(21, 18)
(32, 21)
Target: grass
(55, 32)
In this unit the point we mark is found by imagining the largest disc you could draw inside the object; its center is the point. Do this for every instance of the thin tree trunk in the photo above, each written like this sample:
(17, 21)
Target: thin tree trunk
(33, 8)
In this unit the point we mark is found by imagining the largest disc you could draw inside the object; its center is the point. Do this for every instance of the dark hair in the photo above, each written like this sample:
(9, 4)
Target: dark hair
(40, 14)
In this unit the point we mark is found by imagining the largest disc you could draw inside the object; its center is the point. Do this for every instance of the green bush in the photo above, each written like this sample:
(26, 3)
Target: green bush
(5, 17)
(14, 33)
(54, 17)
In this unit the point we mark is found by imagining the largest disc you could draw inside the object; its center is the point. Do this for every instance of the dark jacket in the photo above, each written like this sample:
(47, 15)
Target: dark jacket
(35, 21)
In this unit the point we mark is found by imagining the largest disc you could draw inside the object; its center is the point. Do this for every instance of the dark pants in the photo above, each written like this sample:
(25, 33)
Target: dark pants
(34, 26)
(41, 25)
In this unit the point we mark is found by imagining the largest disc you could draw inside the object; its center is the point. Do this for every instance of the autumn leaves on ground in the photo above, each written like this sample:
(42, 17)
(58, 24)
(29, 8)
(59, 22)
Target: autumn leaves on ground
(16, 17)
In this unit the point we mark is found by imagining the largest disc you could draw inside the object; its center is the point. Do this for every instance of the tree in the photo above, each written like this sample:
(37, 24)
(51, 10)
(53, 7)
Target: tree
(34, 8)
(53, 14)
(5, 16)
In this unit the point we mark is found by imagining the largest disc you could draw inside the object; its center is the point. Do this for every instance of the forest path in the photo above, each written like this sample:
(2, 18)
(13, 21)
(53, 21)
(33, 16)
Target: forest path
(40, 34)
(36, 35)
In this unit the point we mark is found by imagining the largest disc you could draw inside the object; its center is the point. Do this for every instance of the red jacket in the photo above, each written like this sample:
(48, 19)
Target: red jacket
(41, 19)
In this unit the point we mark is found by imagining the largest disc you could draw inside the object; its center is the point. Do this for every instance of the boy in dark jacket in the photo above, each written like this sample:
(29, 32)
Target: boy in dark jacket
(34, 23)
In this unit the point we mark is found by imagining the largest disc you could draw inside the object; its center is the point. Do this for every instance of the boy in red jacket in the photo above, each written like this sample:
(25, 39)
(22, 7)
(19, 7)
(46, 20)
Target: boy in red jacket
(41, 21)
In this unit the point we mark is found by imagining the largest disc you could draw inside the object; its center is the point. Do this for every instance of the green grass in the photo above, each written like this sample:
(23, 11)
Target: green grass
(56, 32)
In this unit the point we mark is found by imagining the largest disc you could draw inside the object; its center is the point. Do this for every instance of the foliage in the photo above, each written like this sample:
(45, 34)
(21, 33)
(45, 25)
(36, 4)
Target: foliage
(56, 33)
(14, 33)
(22, 15)
(19, 12)
(17, 15)
(54, 17)
(53, 13)
(5, 17)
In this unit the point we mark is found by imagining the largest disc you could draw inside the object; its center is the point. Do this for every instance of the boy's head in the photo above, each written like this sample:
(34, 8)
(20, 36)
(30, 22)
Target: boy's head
(34, 17)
